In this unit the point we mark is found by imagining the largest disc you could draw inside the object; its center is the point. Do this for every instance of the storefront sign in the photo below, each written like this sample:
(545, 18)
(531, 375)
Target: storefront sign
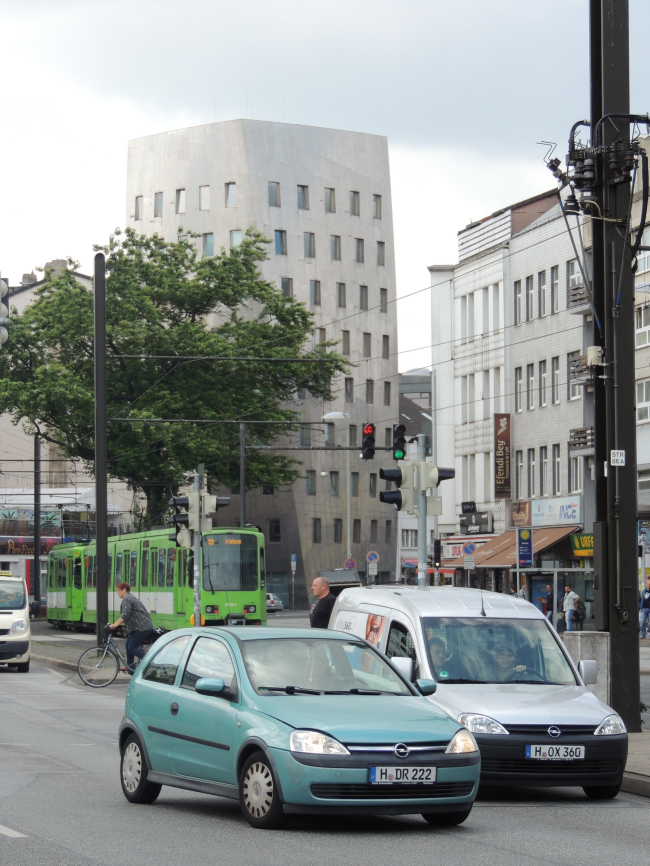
(409, 563)
(502, 487)
(476, 524)
(15, 546)
(519, 513)
(583, 545)
(559, 511)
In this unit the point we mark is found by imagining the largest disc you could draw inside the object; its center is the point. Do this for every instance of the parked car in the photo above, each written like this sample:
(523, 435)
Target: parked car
(291, 722)
(273, 602)
(504, 673)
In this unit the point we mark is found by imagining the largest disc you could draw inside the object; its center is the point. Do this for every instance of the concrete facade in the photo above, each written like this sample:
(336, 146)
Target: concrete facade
(198, 166)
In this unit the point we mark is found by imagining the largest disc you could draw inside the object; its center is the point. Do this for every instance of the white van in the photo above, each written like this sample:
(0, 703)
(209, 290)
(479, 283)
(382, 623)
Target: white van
(503, 673)
(15, 634)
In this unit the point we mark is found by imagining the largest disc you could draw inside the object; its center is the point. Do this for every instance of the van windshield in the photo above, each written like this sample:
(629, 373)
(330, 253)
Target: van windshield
(468, 650)
(12, 594)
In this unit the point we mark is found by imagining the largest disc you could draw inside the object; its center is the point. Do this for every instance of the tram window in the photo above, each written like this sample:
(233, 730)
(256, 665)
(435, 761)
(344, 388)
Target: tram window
(118, 567)
(230, 563)
(144, 573)
(51, 574)
(134, 568)
(162, 566)
(171, 556)
(188, 567)
(94, 563)
(110, 570)
(60, 572)
(77, 572)
(89, 574)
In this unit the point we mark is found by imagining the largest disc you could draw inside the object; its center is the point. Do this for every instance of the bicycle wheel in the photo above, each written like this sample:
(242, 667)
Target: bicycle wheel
(96, 671)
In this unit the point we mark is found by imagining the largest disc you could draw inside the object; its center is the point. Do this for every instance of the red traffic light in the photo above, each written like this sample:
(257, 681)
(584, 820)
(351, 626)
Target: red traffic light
(368, 429)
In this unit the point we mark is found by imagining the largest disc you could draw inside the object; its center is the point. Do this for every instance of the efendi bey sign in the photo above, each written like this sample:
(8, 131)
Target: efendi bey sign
(502, 485)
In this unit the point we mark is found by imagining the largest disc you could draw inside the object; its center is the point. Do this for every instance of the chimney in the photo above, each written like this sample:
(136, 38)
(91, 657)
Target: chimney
(29, 279)
(55, 267)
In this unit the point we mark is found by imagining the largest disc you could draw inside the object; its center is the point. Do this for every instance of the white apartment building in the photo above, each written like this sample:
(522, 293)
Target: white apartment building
(323, 198)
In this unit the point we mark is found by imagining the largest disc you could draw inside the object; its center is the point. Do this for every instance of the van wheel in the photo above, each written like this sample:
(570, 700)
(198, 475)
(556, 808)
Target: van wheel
(133, 773)
(446, 819)
(258, 794)
(602, 792)
(23, 667)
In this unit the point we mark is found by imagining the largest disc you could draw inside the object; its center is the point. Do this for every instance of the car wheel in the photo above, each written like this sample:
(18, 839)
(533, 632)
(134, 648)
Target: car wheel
(602, 792)
(446, 819)
(258, 794)
(23, 667)
(133, 773)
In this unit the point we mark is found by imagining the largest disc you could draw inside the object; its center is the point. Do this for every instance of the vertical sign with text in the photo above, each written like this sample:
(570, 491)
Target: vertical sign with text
(502, 485)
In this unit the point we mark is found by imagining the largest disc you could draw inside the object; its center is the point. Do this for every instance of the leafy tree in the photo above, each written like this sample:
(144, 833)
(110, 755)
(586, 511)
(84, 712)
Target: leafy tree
(161, 301)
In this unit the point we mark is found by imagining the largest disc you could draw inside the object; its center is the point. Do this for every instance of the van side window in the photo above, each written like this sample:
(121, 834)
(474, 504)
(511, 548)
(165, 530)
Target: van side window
(400, 643)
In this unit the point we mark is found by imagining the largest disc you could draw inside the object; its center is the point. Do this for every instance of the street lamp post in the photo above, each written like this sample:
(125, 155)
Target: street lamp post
(337, 416)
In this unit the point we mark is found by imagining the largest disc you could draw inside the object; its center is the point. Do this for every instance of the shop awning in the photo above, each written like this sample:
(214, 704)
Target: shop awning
(501, 552)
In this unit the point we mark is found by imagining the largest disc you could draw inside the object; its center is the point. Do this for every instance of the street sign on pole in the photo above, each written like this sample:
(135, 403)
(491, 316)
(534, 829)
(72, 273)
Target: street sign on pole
(372, 568)
(294, 563)
(469, 563)
(350, 564)
(372, 556)
(469, 549)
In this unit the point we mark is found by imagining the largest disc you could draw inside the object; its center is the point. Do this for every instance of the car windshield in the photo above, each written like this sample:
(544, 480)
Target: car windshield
(295, 665)
(12, 595)
(472, 650)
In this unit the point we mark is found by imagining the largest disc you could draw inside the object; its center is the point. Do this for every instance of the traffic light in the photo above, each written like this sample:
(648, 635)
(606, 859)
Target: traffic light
(404, 478)
(211, 504)
(399, 442)
(437, 553)
(368, 442)
(180, 519)
(431, 476)
(4, 313)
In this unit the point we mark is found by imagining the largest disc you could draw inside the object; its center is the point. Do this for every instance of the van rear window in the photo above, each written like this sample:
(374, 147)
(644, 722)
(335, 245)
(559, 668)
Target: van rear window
(12, 594)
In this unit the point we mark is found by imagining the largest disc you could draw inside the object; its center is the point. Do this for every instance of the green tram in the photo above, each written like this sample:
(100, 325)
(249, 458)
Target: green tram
(162, 576)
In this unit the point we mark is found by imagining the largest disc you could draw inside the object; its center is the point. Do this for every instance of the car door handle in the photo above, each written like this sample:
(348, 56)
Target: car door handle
(174, 709)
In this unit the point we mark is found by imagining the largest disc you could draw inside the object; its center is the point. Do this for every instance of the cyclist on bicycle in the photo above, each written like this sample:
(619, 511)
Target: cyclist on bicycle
(139, 626)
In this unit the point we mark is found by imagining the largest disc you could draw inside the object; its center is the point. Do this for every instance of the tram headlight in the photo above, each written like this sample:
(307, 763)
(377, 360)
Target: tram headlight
(212, 608)
(250, 608)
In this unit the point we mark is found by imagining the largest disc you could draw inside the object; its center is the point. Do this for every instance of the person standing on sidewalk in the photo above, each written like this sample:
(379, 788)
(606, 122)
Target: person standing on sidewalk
(320, 615)
(644, 609)
(568, 605)
(549, 602)
(139, 626)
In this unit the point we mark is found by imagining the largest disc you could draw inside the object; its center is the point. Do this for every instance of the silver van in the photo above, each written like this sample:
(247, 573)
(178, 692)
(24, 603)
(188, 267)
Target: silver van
(15, 633)
(503, 673)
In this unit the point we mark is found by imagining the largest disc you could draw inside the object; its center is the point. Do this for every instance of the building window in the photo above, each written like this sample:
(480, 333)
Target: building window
(330, 435)
(314, 292)
(204, 197)
(372, 485)
(543, 471)
(322, 335)
(338, 530)
(340, 294)
(388, 437)
(268, 490)
(355, 203)
(376, 207)
(373, 531)
(334, 483)
(367, 340)
(310, 482)
(643, 258)
(349, 390)
(388, 532)
(530, 464)
(518, 302)
(541, 287)
(643, 400)
(530, 296)
(574, 277)
(572, 362)
(180, 201)
(275, 531)
(557, 478)
(287, 287)
(309, 239)
(363, 297)
(352, 435)
(335, 247)
(555, 380)
(139, 207)
(385, 347)
(158, 205)
(386, 393)
(208, 244)
(381, 253)
(543, 376)
(359, 252)
(231, 195)
(575, 478)
(409, 538)
(555, 289)
(354, 483)
(330, 200)
(519, 474)
(280, 242)
(274, 194)
(345, 342)
(303, 197)
(530, 386)
(356, 532)
(383, 300)
(305, 435)
(642, 319)
(518, 390)
(316, 533)
(235, 238)
(370, 391)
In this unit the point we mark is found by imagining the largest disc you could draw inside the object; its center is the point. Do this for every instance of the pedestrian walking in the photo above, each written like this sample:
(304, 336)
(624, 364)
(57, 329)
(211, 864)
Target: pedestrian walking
(549, 602)
(139, 626)
(579, 614)
(644, 609)
(320, 615)
(568, 606)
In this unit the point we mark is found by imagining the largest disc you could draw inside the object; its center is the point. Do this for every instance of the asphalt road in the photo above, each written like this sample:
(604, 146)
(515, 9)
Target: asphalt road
(59, 788)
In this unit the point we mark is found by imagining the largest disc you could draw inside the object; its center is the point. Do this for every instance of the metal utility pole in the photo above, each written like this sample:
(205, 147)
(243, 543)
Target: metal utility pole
(242, 475)
(36, 565)
(196, 545)
(422, 513)
(101, 459)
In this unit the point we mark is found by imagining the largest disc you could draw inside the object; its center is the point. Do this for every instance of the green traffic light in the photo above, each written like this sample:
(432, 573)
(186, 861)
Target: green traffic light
(399, 455)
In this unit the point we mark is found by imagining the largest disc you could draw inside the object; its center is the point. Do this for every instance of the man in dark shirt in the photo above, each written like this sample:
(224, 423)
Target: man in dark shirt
(549, 602)
(320, 615)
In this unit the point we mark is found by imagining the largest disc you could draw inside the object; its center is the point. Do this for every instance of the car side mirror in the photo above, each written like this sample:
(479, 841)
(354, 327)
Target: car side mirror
(209, 686)
(404, 666)
(426, 687)
(588, 670)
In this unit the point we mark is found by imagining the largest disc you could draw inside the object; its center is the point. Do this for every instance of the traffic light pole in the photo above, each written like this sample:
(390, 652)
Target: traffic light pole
(422, 514)
(101, 444)
(196, 546)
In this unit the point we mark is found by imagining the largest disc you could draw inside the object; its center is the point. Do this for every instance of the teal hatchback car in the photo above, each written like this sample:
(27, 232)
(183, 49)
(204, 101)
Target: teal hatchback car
(290, 721)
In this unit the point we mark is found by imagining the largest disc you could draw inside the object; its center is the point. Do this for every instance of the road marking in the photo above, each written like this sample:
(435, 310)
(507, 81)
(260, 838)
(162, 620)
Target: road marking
(7, 832)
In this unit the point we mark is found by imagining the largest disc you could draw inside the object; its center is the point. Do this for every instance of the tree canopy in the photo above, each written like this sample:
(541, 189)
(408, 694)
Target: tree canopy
(162, 301)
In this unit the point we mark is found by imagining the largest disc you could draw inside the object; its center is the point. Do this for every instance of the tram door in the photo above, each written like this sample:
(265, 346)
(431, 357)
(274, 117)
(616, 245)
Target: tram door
(74, 586)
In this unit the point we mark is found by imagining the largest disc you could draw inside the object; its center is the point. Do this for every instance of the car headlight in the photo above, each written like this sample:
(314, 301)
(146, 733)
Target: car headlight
(478, 724)
(18, 625)
(462, 742)
(611, 725)
(315, 743)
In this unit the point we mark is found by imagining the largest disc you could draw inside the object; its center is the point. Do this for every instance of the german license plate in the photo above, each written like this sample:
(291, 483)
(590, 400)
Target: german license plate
(556, 753)
(393, 775)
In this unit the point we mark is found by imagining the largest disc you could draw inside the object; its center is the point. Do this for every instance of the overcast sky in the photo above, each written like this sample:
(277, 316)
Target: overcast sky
(462, 88)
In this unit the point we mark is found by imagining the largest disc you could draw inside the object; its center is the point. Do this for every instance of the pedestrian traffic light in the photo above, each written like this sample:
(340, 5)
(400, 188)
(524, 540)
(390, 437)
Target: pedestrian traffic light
(4, 313)
(403, 478)
(437, 553)
(368, 442)
(399, 442)
(180, 519)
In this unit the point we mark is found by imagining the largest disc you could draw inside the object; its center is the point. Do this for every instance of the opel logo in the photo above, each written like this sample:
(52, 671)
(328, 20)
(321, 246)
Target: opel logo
(553, 731)
(402, 751)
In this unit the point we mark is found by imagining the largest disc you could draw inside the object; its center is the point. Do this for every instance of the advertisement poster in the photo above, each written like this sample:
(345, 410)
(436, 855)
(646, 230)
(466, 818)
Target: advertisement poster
(519, 513)
(502, 485)
(558, 511)
(525, 548)
(367, 625)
